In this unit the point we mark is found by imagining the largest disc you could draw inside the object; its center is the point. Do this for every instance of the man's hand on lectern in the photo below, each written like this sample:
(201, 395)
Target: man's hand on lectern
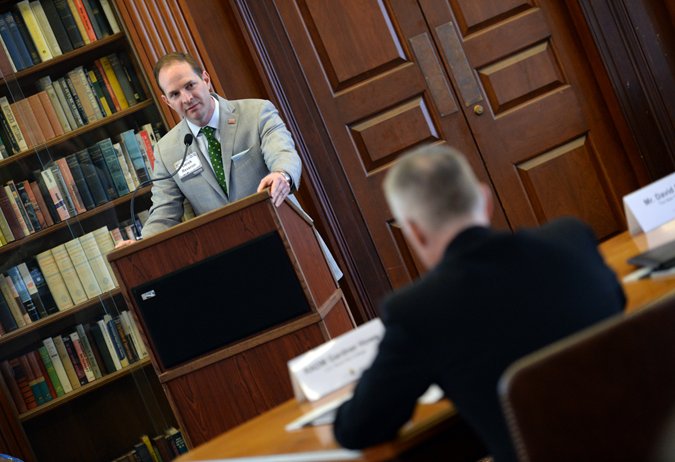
(279, 187)
(124, 243)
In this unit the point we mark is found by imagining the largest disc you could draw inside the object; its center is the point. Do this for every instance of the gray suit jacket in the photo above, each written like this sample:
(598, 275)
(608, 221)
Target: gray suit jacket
(254, 142)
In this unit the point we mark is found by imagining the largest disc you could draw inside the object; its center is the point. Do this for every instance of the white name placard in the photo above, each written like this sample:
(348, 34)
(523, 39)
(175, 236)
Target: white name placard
(336, 363)
(651, 206)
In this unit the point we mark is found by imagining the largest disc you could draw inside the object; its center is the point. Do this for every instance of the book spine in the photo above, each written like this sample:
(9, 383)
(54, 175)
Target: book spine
(54, 280)
(36, 381)
(106, 245)
(116, 341)
(28, 206)
(33, 200)
(110, 16)
(7, 136)
(23, 382)
(97, 262)
(27, 122)
(59, 368)
(37, 194)
(80, 182)
(132, 327)
(130, 143)
(10, 217)
(82, 268)
(34, 30)
(102, 170)
(70, 277)
(50, 111)
(42, 288)
(86, 97)
(40, 116)
(92, 178)
(71, 186)
(63, 189)
(127, 340)
(13, 125)
(96, 336)
(20, 316)
(18, 209)
(32, 289)
(102, 327)
(84, 18)
(65, 107)
(88, 351)
(51, 371)
(6, 317)
(24, 295)
(10, 44)
(67, 362)
(55, 194)
(75, 360)
(114, 81)
(33, 57)
(95, 23)
(56, 25)
(101, 96)
(81, 355)
(69, 23)
(45, 28)
(131, 97)
(79, 108)
(48, 389)
(116, 173)
(126, 166)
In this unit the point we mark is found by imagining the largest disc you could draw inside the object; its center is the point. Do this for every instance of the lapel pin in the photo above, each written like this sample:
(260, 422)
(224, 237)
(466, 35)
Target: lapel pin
(231, 121)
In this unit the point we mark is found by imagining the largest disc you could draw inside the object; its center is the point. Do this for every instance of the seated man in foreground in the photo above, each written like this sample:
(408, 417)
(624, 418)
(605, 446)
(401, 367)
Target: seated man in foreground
(488, 299)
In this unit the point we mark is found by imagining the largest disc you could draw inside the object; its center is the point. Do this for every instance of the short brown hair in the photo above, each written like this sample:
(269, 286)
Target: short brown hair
(176, 57)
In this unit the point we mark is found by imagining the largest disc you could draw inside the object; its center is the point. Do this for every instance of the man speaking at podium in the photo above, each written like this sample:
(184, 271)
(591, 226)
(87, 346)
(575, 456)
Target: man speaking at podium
(232, 149)
(488, 299)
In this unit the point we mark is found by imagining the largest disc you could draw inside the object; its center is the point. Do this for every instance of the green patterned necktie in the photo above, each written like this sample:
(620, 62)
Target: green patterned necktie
(215, 155)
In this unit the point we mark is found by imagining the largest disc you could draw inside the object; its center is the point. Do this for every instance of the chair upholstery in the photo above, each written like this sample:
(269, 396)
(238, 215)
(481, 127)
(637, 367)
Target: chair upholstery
(604, 394)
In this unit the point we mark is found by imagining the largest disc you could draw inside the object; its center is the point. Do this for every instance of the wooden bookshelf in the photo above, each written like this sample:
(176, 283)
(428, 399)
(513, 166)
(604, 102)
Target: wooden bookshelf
(72, 220)
(84, 389)
(66, 57)
(77, 132)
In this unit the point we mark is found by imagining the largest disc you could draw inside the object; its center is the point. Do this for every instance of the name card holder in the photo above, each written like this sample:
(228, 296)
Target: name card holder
(651, 206)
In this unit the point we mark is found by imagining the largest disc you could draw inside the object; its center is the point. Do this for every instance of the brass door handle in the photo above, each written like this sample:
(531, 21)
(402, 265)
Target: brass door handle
(478, 109)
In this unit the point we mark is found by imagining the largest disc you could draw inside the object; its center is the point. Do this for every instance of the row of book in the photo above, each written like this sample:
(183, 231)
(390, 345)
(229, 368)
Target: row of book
(76, 183)
(162, 448)
(83, 95)
(59, 278)
(37, 31)
(64, 363)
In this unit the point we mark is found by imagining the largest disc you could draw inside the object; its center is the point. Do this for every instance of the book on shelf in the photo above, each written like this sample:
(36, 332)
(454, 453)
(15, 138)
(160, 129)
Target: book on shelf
(42, 204)
(43, 217)
(114, 167)
(6, 318)
(131, 147)
(110, 16)
(22, 379)
(39, 369)
(66, 16)
(108, 72)
(24, 204)
(80, 182)
(17, 208)
(75, 359)
(116, 340)
(13, 226)
(68, 103)
(92, 177)
(129, 323)
(105, 358)
(38, 38)
(71, 186)
(48, 368)
(34, 55)
(74, 101)
(40, 115)
(27, 123)
(67, 362)
(82, 268)
(84, 20)
(97, 18)
(103, 99)
(69, 274)
(51, 372)
(46, 28)
(50, 111)
(41, 305)
(16, 132)
(6, 66)
(88, 351)
(47, 178)
(59, 368)
(56, 25)
(11, 41)
(24, 296)
(62, 189)
(45, 84)
(12, 299)
(99, 162)
(97, 262)
(7, 136)
(106, 245)
(110, 346)
(84, 93)
(81, 356)
(36, 380)
(54, 280)
(124, 77)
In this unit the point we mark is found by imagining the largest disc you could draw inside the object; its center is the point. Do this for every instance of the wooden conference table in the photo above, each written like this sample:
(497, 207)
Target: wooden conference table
(264, 438)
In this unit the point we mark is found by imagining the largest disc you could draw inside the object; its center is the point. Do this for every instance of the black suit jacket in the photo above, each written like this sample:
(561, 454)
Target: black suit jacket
(493, 298)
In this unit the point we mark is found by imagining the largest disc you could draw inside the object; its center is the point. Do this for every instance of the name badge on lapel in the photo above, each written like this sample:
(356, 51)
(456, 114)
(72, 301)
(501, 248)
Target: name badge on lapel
(192, 166)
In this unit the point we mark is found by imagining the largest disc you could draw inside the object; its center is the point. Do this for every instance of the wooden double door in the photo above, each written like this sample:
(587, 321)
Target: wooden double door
(504, 81)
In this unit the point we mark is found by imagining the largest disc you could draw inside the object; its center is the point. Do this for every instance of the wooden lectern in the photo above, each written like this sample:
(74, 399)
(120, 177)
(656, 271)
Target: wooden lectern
(224, 301)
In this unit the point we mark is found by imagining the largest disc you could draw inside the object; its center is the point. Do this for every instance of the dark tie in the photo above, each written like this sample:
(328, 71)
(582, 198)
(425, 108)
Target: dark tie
(215, 155)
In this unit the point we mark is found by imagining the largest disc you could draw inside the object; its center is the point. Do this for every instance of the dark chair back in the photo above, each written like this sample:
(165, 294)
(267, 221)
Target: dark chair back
(604, 394)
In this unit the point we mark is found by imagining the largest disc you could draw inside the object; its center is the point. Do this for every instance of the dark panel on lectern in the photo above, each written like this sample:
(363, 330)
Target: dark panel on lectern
(220, 300)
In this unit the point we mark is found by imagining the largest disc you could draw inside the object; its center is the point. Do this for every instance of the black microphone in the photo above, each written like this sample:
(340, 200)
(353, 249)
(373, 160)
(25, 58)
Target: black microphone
(187, 141)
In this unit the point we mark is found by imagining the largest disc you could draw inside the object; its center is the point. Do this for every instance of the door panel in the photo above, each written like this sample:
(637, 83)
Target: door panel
(532, 77)
(390, 75)
(363, 65)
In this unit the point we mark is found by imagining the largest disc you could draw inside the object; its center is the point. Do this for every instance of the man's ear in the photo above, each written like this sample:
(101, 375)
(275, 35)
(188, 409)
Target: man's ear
(165, 99)
(417, 233)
